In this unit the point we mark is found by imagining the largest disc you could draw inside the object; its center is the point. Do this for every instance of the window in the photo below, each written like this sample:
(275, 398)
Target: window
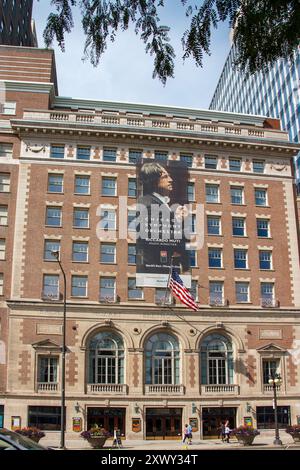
(210, 162)
(212, 193)
(192, 223)
(80, 218)
(83, 153)
(49, 247)
(216, 354)
(265, 259)
(4, 182)
(131, 254)
(270, 369)
(240, 259)
(238, 227)
(267, 292)
(108, 253)
(53, 216)
(162, 297)
(135, 156)
(214, 258)
(237, 195)
(194, 290)
(47, 369)
(131, 187)
(82, 184)
(8, 107)
(131, 220)
(6, 150)
(57, 151)
(109, 155)
(55, 183)
(108, 219)
(234, 164)
(262, 228)
(80, 252)
(106, 359)
(46, 418)
(265, 417)
(1, 283)
(109, 186)
(51, 286)
(2, 248)
(261, 197)
(193, 258)
(134, 292)
(79, 286)
(213, 225)
(216, 292)
(162, 360)
(107, 289)
(258, 166)
(242, 292)
(162, 156)
(187, 160)
(191, 192)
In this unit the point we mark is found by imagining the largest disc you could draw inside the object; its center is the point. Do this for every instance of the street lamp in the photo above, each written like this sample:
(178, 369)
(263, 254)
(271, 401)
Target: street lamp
(63, 365)
(275, 380)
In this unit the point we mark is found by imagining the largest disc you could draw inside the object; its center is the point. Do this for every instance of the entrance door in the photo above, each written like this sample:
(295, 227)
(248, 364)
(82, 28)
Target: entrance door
(163, 423)
(212, 419)
(107, 418)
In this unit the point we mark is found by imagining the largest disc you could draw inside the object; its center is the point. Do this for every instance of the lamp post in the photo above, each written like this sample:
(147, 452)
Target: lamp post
(63, 362)
(275, 380)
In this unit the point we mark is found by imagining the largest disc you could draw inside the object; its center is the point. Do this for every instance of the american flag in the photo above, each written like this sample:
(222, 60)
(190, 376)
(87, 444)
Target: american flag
(182, 293)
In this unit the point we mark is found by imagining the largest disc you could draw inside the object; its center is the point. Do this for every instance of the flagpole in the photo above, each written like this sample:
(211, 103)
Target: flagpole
(169, 277)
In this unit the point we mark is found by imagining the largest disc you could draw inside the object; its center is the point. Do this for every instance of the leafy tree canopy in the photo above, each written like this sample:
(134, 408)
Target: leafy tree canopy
(263, 30)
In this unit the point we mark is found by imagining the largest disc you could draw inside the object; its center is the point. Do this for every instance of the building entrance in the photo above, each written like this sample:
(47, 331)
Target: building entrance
(163, 423)
(212, 419)
(107, 418)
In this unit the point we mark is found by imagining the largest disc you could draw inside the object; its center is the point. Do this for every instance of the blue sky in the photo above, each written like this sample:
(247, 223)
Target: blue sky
(125, 71)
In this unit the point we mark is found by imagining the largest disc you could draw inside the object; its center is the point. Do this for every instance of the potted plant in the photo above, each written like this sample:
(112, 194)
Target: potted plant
(294, 431)
(245, 434)
(95, 436)
(33, 433)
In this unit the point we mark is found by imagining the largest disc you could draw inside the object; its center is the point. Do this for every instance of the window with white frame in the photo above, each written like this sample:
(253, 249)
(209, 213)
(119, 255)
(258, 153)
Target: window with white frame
(235, 164)
(212, 192)
(240, 258)
(1, 283)
(2, 248)
(108, 253)
(134, 292)
(108, 219)
(271, 367)
(4, 182)
(186, 159)
(80, 218)
(53, 216)
(190, 191)
(109, 186)
(47, 369)
(265, 259)
(107, 289)
(109, 155)
(3, 215)
(131, 187)
(216, 292)
(194, 290)
(242, 292)
(214, 257)
(79, 286)
(258, 166)
(131, 253)
(237, 195)
(238, 226)
(83, 153)
(210, 162)
(80, 251)
(162, 297)
(135, 156)
(213, 225)
(160, 155)
(267, 291)
(8, 107)
(106, 358)
(82, 184)
(51, 246)
(217, 367)
(261, 197)
(263, 227)
(57, 151)
(51, 286)
(55, 183)
(6, 150)
(162, 360)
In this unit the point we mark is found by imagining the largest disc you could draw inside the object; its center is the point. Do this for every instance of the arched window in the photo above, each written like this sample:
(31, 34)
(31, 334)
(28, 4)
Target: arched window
(106, 359)
(162, 360)
(216, 360)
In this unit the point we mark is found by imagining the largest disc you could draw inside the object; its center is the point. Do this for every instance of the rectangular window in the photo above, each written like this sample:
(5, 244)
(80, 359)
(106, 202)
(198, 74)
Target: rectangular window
(265, 417)
(238, 227)
(108, 253)
(80, 252)
(131, 254)
(79, 286)
(270, 369)
(267, 291)
(234, 164)
(192, 223)
(265, 259)
(258, 166)
(82, 184)
(49, 247)
(162, 296)
(57, 151)
(214, 258)
(55, 183)
(46, 418)
(135, 156)
(242, 292)
(8, 108)
(83, 153)
(191, 192)
(162, 156)
(109, 155)
(108, 219)
(1, 283)
(2, 248)
(51, 286)
(80, 218)
(109, 186)
(216, 292)
(6, 150)
(240, 259)
(213, 225)
(134, 292)
(186, 160)
(237, 195)
(262, 228)
(47, 369)
(53, 216)
(107, 289)
(212, 193)
(131, 187)
(131, 220)
(4, 182)
(194, 290)
(3, 215)
(261, 197)
(210, 162)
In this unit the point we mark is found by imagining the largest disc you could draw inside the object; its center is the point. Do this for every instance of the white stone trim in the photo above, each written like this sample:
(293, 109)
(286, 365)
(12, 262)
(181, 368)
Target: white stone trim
(82, 173)
(216, 278)
(262, 216)
(54, 203)
(267, 279)
(219, 213)
(79, 273)
(240, 247)
(236, 183)
(80, 239)
(81, 204)
(52, 237)
(242, 279)
(266, 248)
(109, 174)
(55, 170)
(109, 274)
(212, 181)
(215, 245)
(257, 185)
(238, 214)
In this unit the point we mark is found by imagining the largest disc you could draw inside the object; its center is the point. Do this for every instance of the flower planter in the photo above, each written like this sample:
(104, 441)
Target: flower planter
(35, 439)
(296, 437)
(97, 442)
(245, 440)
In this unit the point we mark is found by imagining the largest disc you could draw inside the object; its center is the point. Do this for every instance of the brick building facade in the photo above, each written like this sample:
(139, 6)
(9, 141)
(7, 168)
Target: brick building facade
(130, 362)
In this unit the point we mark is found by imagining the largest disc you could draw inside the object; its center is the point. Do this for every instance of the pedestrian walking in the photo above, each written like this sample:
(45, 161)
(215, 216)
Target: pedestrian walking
(187, 434)
(227, 431)
(222, 431)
